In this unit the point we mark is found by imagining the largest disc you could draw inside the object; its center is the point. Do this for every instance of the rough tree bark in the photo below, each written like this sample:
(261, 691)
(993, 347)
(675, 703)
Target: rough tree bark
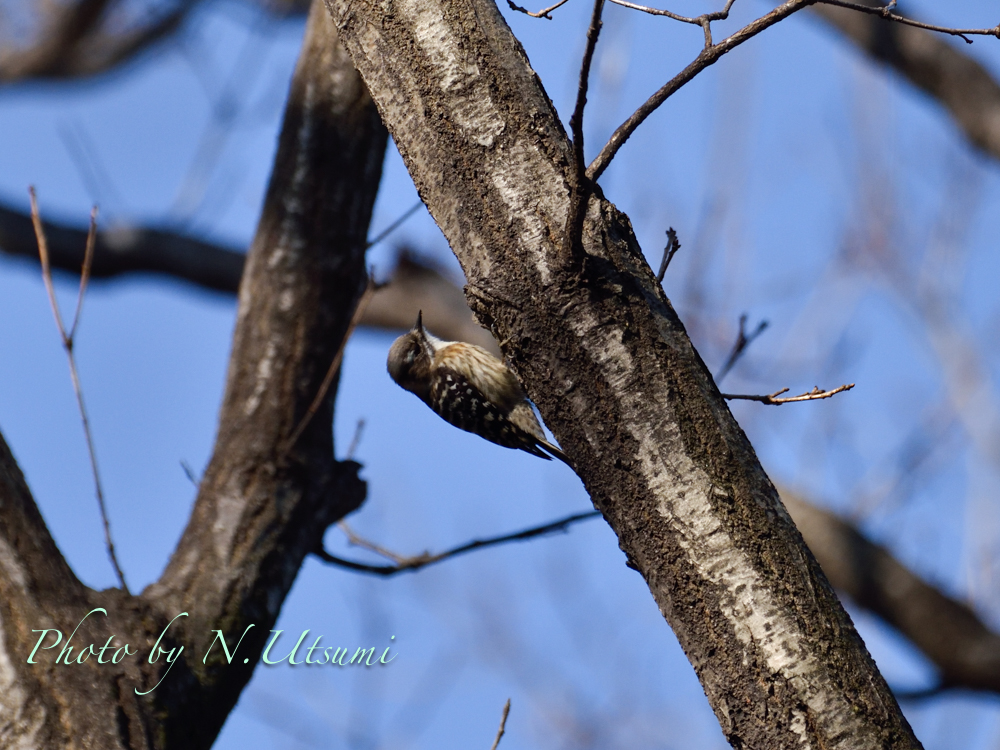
(602, 353)
(262, 505)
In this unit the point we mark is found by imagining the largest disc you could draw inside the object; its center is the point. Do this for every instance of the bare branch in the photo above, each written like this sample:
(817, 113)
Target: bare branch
(696, 20)
(88, 262)
(75, 41)
(359, 541)
(712, 52)
(125, 250)
(417, 562)
(740, 346)
(503, 725)
(415, 283)
(580, 186)
(540, 14)
(885, 12)
(708, 56)
(395, 224)
(672, 246)
(963, 85)
(704, 20)
(814, 395)
(67, 342)
(576, 120)
(190, 474)
(359, 428)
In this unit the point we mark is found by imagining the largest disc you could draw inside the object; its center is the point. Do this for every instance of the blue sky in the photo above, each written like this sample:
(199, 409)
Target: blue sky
(770, 165)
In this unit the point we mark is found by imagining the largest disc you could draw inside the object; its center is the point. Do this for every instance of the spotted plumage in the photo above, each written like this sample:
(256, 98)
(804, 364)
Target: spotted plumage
(469, 388)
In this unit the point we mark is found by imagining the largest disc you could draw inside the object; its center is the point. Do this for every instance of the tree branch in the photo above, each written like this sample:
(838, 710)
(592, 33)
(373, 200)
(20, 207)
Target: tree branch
(961, 84)
(740, 345)
(503, 725)
(67, 342)
(125, 250)
(581, 185)
(885, 12)
(669, 251)
(414, 283)
(708, 56)
(772, 399)
(74, 41)
(544, 13)
(416, 562)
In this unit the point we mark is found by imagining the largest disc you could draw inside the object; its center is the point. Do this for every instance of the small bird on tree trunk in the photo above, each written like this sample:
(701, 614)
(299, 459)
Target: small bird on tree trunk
(470, 388)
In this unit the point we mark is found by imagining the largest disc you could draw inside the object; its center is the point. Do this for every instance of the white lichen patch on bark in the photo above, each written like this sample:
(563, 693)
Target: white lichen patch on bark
(531, 186)
(264, 371)
(229, 509)
(21, 719)
(535, 193)
(455, 71)
(684, 492)
(12, 570)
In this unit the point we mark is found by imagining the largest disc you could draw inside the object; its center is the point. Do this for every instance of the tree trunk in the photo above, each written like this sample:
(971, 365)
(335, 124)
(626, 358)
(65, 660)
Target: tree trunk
(262, 506)
(600, 350)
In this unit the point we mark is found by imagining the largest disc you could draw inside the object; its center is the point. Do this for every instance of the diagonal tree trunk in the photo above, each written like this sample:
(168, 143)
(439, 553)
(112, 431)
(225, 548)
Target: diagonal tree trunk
(602, 353)
(262, 506)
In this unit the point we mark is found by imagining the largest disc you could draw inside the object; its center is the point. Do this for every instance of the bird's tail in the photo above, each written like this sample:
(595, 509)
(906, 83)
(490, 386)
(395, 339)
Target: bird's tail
(556, 452)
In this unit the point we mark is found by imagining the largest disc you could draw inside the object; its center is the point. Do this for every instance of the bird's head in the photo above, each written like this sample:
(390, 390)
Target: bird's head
(410, 359)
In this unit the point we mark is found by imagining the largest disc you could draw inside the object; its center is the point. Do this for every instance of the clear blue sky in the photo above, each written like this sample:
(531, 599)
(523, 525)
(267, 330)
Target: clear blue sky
(770, 166)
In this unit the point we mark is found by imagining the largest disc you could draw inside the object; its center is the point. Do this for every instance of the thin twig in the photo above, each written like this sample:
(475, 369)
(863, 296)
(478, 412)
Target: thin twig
(88, 262)
(360, 541)
(189, 473)
(885, 12)
(704, 20)
(708, 56)
(395, 225)
(576, 120)
(740, 346)
(539, 14)
(503, 724)
(359, 428)
(67, 342)
(43, 254)
(673, 245)
(89, 166)
(581, 190)
(420, 561)
(328, 378)
(814, 395)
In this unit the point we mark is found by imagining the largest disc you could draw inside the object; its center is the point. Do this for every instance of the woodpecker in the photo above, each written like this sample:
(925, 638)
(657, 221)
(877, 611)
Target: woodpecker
(469, 388)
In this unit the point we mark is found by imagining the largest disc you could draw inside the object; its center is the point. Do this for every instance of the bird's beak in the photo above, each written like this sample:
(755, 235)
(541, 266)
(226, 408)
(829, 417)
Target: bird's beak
(420, 321)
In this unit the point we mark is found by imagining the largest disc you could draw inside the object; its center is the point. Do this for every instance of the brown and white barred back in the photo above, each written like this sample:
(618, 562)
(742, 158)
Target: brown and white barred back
(469, 388)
